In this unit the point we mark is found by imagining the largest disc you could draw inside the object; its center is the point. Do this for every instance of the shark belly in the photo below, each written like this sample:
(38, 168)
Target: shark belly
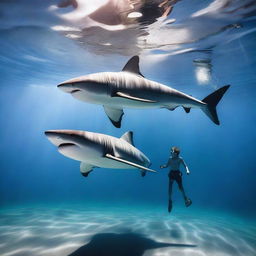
(79, 153)
(104, 162)
(126, 103)
(91, 97)
(114, 101)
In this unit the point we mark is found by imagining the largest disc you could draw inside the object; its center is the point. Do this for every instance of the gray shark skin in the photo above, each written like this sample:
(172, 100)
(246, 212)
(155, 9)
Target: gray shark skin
(129, 89)
(99, 150)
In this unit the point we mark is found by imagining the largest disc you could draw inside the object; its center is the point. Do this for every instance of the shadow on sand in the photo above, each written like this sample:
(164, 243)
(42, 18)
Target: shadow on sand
(128, 244)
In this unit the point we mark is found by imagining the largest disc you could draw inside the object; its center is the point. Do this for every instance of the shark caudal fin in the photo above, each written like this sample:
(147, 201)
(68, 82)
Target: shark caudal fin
(212, 101)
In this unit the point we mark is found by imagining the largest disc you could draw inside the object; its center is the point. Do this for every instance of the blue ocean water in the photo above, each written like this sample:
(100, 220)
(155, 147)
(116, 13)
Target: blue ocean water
(48, 207)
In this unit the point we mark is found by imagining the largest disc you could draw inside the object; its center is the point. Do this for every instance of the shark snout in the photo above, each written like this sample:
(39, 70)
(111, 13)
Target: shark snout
(72, 85)
(50, 134)
(61, 137)
(67, 87)
(54, 134)
(54, 137)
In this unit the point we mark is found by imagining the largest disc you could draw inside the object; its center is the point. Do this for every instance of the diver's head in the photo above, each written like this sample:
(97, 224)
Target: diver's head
(175, 151)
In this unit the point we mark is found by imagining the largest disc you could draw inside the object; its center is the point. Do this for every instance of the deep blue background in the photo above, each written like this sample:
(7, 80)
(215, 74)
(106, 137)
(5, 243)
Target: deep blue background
(221, 158)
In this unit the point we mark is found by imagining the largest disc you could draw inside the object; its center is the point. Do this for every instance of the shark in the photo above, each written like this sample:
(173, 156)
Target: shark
(130, 89)
(99, 150)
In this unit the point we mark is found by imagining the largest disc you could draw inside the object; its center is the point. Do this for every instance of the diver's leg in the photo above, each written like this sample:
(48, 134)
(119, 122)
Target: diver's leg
(170, 189)
(182, 190)
(188, 202)
(170, 195)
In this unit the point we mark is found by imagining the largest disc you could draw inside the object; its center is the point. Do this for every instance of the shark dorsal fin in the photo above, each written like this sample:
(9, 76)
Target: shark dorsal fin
(133, 66)
(128, 136)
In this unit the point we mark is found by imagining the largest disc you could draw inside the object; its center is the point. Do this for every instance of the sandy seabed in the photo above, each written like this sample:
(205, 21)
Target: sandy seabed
(96, 231)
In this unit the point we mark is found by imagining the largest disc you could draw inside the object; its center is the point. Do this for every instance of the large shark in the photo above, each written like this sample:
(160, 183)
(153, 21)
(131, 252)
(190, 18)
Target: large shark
(129, 89)
(99, 150)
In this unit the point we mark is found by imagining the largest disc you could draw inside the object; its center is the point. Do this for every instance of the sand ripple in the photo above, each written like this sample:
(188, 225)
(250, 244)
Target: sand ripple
(58, 232)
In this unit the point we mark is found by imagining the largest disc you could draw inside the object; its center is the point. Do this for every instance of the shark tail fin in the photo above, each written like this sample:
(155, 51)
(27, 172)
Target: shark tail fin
(212, 101)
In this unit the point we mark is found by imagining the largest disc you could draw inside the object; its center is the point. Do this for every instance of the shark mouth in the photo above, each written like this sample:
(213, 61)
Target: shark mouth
(64, 145)
(76, 90)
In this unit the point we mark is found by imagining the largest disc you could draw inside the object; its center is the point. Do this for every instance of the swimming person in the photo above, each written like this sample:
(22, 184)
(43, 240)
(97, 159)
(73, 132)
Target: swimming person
(176, 175)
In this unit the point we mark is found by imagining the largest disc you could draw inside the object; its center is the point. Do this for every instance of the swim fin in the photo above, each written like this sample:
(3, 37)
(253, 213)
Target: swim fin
(188, 202)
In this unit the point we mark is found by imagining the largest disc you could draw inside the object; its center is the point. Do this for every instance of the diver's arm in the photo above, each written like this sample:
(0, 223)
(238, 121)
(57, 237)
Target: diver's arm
(186, 167)
(166, 165)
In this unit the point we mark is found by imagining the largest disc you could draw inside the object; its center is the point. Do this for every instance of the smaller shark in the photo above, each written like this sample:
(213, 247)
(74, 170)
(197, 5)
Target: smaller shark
(99, 150)
(129, 89)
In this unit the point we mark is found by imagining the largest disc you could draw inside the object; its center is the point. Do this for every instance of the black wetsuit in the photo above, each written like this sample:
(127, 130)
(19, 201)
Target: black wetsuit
(177, 176)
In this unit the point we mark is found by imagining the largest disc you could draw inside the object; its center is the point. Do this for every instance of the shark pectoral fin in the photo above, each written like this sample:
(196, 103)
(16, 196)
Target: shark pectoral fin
(129, 97)
(187, 110)
(85, 169)
(133, 66)
(129, 163)
(128, 136)
(143, 173)
(171, 109)
(115, 115)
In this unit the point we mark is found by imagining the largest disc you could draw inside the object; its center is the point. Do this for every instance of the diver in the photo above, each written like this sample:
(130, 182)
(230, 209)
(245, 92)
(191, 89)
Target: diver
(176, 175)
